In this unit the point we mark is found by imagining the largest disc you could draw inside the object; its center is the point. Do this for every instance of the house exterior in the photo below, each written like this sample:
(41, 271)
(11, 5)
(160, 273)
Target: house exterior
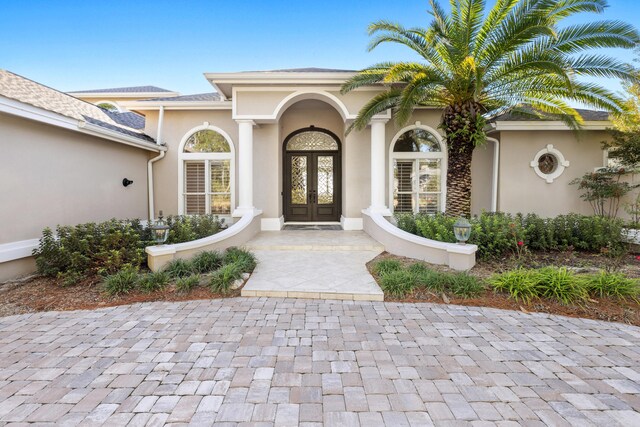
(273, 142)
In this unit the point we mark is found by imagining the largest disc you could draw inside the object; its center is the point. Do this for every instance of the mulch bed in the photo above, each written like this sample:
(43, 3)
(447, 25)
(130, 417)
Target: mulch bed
(612, 310)
(46, 294)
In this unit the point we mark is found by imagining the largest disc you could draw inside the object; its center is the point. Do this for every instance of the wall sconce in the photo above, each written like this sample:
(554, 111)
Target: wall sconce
(126, 182)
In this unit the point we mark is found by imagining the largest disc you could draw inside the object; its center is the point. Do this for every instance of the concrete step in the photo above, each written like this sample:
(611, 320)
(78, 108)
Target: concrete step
(306, 240)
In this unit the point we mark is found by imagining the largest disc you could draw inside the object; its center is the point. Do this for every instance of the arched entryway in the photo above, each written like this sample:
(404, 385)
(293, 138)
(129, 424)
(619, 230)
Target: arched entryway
(312, 173)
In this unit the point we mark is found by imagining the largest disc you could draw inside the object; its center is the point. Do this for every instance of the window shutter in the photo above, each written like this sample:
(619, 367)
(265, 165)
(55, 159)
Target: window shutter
(403, 181)
(194, 181)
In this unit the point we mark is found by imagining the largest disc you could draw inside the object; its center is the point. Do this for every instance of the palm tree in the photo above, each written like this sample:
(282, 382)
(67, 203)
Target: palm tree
(476, 64)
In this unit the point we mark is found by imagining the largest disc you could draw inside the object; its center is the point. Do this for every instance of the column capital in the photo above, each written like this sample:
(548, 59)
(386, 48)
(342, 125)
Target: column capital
(246, 121)
(382, 120)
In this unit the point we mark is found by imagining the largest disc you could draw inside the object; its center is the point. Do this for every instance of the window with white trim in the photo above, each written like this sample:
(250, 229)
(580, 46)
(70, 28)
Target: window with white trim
(417, 172)
(207, 174)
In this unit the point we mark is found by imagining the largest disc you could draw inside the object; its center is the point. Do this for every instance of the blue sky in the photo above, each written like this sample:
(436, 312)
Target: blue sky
(92, 44)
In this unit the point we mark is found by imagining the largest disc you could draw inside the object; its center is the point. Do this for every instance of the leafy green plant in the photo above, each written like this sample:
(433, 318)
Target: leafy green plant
(561, 285)
(406, 222)
(205, 262)
(614, 285)
(186, 284)
(178, 268)
(397, 283)
(185, 228)
(520, 284)
(386, 266)
(426, 278)
(603, 189)
(464, 285)
(223, 278)
(152, 282)
(122, 282)
(244, 259)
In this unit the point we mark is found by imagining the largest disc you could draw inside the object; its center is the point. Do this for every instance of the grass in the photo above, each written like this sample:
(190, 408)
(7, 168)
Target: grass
(398, 281)
(206, 262)
(122, 282)
(186, 284)
(612, 285)
(223, 278)
(152, 282)
(179, 268)
(561, 285)
(242, 258)
(520, 284)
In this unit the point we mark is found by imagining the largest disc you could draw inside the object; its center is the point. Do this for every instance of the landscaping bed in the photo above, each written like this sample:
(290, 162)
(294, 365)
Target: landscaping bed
(624, 310)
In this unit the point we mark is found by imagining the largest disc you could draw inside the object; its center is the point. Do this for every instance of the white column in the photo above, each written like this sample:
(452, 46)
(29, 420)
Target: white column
(245, 167)
(378, 166)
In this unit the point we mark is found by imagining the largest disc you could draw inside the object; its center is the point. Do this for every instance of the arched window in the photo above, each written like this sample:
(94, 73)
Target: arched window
(206, 172)
(418, 171)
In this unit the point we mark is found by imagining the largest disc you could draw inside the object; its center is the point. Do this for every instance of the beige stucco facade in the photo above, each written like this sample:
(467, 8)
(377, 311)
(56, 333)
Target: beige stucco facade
(54, 176)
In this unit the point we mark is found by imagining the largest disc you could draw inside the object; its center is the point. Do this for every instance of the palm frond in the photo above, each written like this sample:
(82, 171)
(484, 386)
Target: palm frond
(378, 104)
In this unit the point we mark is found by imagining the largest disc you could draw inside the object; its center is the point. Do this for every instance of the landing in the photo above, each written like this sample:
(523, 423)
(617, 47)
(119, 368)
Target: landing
(313, 264)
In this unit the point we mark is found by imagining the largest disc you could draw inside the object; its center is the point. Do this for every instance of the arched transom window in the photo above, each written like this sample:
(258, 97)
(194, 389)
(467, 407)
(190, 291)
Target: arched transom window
(417, 170)
(206, 163)
(312, 140)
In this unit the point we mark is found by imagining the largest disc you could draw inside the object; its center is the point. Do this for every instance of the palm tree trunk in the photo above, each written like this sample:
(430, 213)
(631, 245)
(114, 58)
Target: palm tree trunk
(459, 122)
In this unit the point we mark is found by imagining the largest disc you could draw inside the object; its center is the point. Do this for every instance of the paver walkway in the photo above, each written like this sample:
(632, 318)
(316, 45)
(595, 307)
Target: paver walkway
(314, 264)
(288, 362)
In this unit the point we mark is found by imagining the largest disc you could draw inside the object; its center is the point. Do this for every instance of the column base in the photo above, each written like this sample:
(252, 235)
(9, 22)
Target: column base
(382, 210)
(241, 211)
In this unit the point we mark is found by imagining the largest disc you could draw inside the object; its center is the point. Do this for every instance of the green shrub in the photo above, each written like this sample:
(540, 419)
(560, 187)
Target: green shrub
(520, 284)
(244, 259)
(152, 282)
(615, 285)
(186, 284)
(498, 234)
(205, 262)
(386, 266)
(561, 285)
(223, 278)
(185, 228)
(122, 282)
(397, 283)
(178, 268)
(91, 248)
(406, 222)
(464, 285)
(426, 278)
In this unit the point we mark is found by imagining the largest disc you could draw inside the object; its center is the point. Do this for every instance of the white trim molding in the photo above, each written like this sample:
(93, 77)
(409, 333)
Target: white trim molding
(183, 157)
(17, 250)
(136, 95)
(561, 166)
(547, 125)
(272, 224)
(351, 224)
(442, 155)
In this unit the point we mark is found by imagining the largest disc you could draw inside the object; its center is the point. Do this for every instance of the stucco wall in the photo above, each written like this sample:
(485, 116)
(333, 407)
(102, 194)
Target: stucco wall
(177, 124)
(53, 176)
(521, 190)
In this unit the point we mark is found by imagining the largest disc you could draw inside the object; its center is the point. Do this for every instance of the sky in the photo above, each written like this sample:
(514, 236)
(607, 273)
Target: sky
(90, 44)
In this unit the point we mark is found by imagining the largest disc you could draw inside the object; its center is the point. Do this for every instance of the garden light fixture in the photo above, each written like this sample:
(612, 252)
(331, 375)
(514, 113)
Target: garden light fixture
(462, 230)
(160, 230)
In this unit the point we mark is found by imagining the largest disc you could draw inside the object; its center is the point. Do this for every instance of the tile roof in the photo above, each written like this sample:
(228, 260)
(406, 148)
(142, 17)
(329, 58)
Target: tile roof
(528, 114)
(131, 89)
(304, 70)
(29, 92)
(211, 96)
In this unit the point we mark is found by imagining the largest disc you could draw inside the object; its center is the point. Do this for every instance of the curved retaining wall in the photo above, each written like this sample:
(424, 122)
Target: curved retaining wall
(399, 242)
(236, 235)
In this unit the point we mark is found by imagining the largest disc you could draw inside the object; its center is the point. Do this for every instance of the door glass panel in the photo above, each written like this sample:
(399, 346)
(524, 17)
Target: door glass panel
(312, 140)
(299, 180)
(325, 180)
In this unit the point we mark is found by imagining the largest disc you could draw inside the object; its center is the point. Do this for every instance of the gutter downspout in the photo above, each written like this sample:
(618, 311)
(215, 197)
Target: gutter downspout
(494, 178)
(150, 166)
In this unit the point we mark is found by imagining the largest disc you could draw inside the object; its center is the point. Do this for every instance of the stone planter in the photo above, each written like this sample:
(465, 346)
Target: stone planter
(631, 235)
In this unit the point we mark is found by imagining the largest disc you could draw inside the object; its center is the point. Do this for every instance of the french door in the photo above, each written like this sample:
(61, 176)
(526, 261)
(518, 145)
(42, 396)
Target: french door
(312, 186)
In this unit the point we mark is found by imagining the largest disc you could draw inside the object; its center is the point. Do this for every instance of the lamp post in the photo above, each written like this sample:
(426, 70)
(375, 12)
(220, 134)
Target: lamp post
(160, 230)
(462, 230)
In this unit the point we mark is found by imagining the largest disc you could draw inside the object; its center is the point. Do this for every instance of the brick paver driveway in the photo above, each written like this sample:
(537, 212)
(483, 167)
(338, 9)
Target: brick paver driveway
(308, 362)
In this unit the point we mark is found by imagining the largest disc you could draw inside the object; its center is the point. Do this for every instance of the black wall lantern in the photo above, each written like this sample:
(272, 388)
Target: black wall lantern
(126, 182)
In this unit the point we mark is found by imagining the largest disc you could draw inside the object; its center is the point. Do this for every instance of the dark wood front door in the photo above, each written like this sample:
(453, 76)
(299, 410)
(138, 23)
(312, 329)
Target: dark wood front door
(312, 186)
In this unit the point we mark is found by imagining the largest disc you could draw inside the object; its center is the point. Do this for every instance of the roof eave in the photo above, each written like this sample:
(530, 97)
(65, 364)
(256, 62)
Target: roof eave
(177, 105)
(30, 112)
(123, 94)
(507, 125)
